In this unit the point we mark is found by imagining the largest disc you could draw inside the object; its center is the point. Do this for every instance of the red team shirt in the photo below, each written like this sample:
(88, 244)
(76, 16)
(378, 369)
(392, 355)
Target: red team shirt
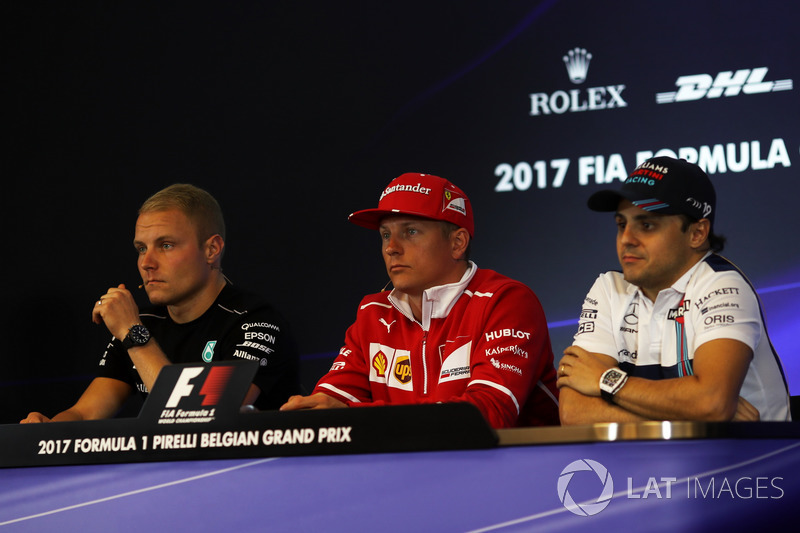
(483, 340)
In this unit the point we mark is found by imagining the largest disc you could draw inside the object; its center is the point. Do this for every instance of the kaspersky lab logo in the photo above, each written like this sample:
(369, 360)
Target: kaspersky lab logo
(586, 508)
(577, 63)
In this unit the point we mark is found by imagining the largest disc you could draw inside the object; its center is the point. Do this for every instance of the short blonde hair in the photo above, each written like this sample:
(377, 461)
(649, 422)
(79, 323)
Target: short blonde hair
(198, 205)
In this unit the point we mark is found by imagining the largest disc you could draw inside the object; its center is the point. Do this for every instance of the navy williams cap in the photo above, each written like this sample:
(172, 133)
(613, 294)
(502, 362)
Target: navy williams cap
(422, 195)
(663, 185)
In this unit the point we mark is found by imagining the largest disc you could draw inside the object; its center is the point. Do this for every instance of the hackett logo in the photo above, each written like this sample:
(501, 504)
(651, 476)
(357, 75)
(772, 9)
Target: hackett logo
(576, 100)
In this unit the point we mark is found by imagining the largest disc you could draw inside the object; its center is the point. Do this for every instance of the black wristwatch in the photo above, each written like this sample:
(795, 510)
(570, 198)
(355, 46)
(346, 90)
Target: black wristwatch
(138, 335)
(611, 382)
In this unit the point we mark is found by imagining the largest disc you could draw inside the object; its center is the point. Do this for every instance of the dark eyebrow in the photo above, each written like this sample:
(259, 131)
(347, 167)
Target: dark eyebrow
(641, 216)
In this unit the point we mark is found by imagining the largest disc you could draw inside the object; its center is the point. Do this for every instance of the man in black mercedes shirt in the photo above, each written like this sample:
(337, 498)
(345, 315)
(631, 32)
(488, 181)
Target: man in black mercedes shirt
(198, 314)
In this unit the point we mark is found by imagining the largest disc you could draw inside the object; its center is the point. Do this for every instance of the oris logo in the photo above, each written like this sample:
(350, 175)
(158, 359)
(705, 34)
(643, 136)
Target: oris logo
(727, 83)
(719, 319)
(576, 100)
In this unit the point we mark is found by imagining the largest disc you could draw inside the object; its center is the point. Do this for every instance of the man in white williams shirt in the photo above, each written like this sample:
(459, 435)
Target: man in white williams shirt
(678, 334)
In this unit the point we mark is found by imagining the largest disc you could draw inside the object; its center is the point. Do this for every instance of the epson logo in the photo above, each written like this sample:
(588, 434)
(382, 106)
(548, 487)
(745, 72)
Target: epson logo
(576, 100)
(727, 83)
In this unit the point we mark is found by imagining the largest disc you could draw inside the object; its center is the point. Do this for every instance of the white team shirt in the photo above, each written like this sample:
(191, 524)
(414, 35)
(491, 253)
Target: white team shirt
(657, 340)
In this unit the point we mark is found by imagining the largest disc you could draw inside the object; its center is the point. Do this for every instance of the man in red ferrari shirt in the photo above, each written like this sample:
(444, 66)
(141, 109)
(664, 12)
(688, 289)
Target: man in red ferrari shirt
(448, 331)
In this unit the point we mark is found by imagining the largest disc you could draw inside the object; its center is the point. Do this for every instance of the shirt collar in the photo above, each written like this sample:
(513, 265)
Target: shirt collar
(436, 301)
(680, 284)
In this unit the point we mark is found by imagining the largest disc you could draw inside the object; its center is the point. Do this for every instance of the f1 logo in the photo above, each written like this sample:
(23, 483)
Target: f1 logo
(182, 388)
(212, 389)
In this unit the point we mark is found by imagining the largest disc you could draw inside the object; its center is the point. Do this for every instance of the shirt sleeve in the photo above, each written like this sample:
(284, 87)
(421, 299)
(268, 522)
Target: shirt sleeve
(116, 364)
(511, 354)
(595, 327)
(348, 378)
(727, 308)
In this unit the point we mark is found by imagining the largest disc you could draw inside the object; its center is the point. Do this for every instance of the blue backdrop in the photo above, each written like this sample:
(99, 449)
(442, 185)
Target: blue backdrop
(295, 114)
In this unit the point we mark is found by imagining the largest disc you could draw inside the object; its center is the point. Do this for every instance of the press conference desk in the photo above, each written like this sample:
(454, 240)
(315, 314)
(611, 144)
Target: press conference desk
(193, 461)
(666, 477)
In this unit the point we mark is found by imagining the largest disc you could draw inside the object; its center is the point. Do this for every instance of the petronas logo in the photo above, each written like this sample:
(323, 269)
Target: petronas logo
(208, 352)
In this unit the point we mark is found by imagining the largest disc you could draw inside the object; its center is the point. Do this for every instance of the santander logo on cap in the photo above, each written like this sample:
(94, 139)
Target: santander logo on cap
(423, 195)
(405, 188)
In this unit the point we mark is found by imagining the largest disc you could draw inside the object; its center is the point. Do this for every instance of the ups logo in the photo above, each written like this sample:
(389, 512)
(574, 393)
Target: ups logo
(402, 369)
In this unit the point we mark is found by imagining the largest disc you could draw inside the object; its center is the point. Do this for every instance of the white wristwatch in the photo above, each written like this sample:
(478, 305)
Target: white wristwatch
(611, 382)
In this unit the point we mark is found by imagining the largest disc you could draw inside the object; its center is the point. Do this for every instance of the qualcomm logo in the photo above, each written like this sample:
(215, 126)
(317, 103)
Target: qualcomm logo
(590, 508)
(727, 83)
(591, 99)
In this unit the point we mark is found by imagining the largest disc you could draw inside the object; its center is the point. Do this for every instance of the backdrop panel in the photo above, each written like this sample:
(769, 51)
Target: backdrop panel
(295, 114)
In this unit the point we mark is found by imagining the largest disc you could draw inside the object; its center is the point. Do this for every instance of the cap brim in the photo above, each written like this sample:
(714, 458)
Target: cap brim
(608, 201)
(605, 201)
(368, 218)
(371, 218)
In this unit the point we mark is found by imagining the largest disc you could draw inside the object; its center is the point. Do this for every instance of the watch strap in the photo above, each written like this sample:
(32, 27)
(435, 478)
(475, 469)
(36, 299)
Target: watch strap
(138, 335)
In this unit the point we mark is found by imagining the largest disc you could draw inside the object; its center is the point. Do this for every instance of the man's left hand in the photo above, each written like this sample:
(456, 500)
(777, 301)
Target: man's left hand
(581, 370)
(315, 401)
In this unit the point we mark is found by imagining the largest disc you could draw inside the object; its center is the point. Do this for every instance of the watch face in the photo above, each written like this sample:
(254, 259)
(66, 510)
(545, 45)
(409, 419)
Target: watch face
(139, 334)
(611, 377)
